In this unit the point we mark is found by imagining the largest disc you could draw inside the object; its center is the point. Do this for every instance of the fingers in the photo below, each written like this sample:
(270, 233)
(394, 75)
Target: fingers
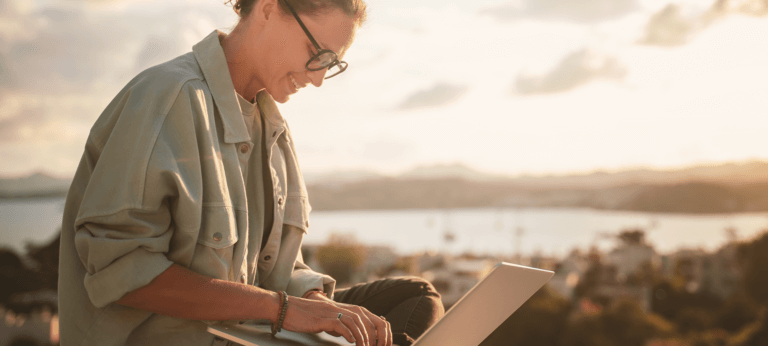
(338, 327)
(383, 331)
(379, 330)
(371, 327)
(353, 323)
(356, 324)
(387, 333)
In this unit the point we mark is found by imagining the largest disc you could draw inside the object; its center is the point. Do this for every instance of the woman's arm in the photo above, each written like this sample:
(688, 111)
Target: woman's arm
(181, 293)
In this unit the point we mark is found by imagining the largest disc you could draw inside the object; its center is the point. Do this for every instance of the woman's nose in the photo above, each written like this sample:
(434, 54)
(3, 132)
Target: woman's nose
(317, 77)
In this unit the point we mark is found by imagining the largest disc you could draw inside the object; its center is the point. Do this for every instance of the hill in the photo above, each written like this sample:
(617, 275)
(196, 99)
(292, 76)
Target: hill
(35, 185)
(722, 188)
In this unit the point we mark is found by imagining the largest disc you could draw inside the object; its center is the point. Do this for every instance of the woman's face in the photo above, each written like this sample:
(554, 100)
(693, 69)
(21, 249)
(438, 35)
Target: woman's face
(282, 69)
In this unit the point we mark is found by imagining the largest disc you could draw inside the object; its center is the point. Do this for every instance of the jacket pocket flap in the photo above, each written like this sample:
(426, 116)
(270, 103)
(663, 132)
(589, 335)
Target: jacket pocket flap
(218, 227)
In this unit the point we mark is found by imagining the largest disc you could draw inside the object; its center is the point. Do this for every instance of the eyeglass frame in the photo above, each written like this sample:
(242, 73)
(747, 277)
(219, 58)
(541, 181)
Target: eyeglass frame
(342, 64)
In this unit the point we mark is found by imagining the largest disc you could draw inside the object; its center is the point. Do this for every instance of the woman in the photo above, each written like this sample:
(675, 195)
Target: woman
(189, 205)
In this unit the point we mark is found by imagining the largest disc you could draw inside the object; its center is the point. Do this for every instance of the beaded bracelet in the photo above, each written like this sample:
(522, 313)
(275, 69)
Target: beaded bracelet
(283, 308)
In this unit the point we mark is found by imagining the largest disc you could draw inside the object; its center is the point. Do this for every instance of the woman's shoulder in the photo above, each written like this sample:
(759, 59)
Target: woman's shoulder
(145, 101)
(168, 78)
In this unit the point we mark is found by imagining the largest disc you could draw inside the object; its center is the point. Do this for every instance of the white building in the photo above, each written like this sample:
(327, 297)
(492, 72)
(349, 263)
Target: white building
(457, 277)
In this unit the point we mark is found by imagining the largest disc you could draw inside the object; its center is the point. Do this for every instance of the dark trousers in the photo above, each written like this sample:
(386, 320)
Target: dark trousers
(410, 304)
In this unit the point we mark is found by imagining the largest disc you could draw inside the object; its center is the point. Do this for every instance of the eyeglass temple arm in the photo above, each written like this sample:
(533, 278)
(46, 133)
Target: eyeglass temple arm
(306, 31)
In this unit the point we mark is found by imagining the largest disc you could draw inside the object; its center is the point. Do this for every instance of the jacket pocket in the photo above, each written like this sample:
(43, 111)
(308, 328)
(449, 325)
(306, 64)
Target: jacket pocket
(218, 227)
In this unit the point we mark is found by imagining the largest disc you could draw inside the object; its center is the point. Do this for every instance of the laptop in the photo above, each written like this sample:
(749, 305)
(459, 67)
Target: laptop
(475, 316)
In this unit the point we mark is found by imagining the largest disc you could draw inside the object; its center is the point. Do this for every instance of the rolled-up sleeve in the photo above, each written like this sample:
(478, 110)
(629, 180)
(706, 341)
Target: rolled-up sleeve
(143, 187)
(304, 279)
(122, 252)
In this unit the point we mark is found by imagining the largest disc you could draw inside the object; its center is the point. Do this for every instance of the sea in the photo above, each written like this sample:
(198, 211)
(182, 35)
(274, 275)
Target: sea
(482, 231)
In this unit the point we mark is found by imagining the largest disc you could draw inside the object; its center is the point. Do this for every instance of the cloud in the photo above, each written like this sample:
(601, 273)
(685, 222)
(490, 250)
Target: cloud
(7, 79)
(440, 94)
(156, 50)
(22, 124)
(578, 68)
(13, 20)
(671, 27)
(71, 58)
(581, 11)
(675, 25)
(387, 148)
(69, 52)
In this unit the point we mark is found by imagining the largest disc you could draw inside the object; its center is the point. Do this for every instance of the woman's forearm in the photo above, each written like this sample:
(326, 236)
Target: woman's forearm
(181, 293)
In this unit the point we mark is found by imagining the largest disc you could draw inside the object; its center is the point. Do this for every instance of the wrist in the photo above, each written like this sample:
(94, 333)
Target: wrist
(275, 306)
(315, 295)
(277, 327)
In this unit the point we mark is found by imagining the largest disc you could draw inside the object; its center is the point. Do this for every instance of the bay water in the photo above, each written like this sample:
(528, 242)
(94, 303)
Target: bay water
(494, 231)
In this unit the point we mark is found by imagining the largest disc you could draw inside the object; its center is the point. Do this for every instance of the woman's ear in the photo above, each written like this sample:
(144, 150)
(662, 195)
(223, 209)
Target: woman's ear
(266, 10)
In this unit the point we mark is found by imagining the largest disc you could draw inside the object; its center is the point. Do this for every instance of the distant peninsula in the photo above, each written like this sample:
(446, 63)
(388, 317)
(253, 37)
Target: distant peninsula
(703, 189)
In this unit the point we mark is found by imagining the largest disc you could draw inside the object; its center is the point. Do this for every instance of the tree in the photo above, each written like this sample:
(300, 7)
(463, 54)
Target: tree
(341, 256)
(592, 277)
(736, 313)
(540, 321)
(623, 323)
(673, 302)
(753, 334)
(46, 258)
(632, 237)
(753, 262)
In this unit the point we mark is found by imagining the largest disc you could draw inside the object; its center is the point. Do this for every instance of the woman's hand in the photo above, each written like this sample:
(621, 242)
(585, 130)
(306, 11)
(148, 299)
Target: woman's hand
(379, 331)
(314, 316)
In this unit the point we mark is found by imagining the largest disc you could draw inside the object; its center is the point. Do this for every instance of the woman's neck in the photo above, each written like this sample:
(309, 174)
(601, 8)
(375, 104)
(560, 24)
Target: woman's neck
(241, 66)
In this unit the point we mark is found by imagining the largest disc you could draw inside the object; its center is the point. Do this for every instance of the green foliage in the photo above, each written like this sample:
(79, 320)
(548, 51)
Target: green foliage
(624, 323)
(736, 313)
(39, 271)
(753, 260)
(632, 237)
(694, 319)
(538, 322)
(755, 334)
(713, 337)
(673, 302)
(591, 278)
(341, 257)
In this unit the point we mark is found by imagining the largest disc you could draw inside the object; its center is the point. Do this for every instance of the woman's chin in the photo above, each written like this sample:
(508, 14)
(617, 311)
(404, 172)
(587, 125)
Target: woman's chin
(280, 96)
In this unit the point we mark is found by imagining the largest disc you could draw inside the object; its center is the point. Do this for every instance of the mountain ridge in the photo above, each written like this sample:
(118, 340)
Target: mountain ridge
(714, 188)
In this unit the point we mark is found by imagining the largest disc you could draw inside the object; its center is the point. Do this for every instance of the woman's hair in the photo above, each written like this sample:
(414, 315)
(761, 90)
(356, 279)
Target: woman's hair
(353, 8)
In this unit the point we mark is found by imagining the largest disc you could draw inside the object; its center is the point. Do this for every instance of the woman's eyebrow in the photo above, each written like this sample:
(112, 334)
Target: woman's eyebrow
(320, 44)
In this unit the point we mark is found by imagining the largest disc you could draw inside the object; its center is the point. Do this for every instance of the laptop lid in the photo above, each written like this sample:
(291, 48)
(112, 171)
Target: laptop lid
(486, 306)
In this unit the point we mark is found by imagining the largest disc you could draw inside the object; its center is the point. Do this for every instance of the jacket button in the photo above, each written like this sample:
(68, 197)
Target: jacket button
(274, 133)
(244, 148)
(242, 278)
(217, 236)
(280, 201)
(267, 257)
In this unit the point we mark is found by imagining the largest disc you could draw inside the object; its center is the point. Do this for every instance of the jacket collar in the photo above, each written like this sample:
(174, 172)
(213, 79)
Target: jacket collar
(268, 109)
(213, 63)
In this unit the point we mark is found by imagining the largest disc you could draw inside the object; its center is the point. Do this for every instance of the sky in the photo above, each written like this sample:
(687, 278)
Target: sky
(503, 86)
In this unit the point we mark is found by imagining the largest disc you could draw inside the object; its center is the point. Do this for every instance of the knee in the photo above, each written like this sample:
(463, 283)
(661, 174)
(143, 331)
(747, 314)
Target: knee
(417, 287)
(433, 296)
(416, 283)
(428, 288)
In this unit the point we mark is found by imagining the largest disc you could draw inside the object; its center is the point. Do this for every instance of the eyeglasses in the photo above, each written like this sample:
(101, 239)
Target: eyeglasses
(324, 58)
